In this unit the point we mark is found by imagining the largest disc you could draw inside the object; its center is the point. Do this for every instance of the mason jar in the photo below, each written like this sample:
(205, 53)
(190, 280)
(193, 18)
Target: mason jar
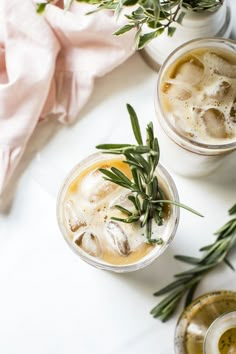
(182, 153)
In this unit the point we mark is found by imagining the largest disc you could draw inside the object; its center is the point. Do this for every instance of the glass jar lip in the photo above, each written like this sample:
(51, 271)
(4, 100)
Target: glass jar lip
(214, 323)
(191, 144)
(94, 261)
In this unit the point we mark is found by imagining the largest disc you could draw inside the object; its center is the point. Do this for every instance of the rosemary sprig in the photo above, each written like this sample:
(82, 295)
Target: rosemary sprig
(146, 194)
(187, 282)
(158, 15)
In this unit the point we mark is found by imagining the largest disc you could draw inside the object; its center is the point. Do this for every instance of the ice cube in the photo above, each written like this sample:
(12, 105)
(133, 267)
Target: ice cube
(74, 219)
(182, 126)
(175, 91)
(218, 90)
(190, 72)
(94, 187)
(121, 199)
(89, 243)
(220, 65)
(118, 237)
(215, 123)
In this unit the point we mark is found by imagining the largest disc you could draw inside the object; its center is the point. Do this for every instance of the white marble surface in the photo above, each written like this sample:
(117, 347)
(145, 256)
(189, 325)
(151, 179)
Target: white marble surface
(51, 301)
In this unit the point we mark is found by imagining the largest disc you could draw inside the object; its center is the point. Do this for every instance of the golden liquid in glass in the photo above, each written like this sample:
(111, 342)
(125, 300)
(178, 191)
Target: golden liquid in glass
(227, 342)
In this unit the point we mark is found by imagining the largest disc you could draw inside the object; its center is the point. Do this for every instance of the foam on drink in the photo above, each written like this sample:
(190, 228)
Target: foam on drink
(198, 96)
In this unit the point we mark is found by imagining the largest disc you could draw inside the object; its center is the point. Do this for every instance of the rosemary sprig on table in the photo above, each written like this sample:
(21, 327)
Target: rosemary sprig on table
(187, 282)
(146, 196)
(158, 15)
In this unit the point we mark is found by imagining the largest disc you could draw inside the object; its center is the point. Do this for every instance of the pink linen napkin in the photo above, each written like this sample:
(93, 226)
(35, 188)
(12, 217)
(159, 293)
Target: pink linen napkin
(47, 68)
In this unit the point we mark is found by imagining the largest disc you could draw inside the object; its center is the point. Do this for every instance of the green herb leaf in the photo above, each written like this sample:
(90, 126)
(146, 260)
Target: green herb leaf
(130, 2)
(171, 31)
(123, 210)
(112, 146)
(121, 175)
(129, 220)
(232, 210)
(147, 37)
(135, 124)
(175, 284)
(123, 29)
(187, 259)
(190, 294)
(179, 205)
(180, 17)
(230, 265)
(40, 7)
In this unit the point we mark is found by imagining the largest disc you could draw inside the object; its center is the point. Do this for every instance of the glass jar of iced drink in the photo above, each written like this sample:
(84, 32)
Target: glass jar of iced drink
(196, 106)
(86, 204)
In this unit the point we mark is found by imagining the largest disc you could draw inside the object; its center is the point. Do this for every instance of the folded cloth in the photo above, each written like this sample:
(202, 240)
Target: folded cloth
(48, 64)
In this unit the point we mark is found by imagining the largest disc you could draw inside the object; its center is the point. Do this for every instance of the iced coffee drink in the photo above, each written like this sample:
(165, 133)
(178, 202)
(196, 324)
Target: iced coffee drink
(196, 105)
(86, 206)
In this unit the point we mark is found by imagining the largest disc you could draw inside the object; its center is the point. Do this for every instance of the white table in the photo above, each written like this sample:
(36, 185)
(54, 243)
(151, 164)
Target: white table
(54, 303)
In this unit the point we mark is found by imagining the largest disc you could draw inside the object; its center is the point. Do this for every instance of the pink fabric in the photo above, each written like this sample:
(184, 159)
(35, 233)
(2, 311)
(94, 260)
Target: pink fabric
(47, 68)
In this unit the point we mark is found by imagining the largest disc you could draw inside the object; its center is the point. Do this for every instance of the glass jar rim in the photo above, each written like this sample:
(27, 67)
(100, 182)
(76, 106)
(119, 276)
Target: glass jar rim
(214, 323)
(190, 144)
(79, 167)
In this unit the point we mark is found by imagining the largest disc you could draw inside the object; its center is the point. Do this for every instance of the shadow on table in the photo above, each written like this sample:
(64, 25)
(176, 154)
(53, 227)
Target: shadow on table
(226, 173)
(134, 71)
(156, 275)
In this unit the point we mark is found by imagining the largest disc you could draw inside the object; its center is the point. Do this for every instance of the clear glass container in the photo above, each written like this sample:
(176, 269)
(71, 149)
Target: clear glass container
(193, 329)
(172, 224)
(183, 155)
(221, 335)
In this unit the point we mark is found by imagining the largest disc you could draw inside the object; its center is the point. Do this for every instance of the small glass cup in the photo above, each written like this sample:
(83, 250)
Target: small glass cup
(214, 343)
(198, 325)
(183, 155)
(173, 220)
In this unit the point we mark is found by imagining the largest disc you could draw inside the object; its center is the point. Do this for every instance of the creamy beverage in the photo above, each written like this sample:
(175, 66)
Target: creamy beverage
(196, 106)
(198, 95)
(86, 206)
